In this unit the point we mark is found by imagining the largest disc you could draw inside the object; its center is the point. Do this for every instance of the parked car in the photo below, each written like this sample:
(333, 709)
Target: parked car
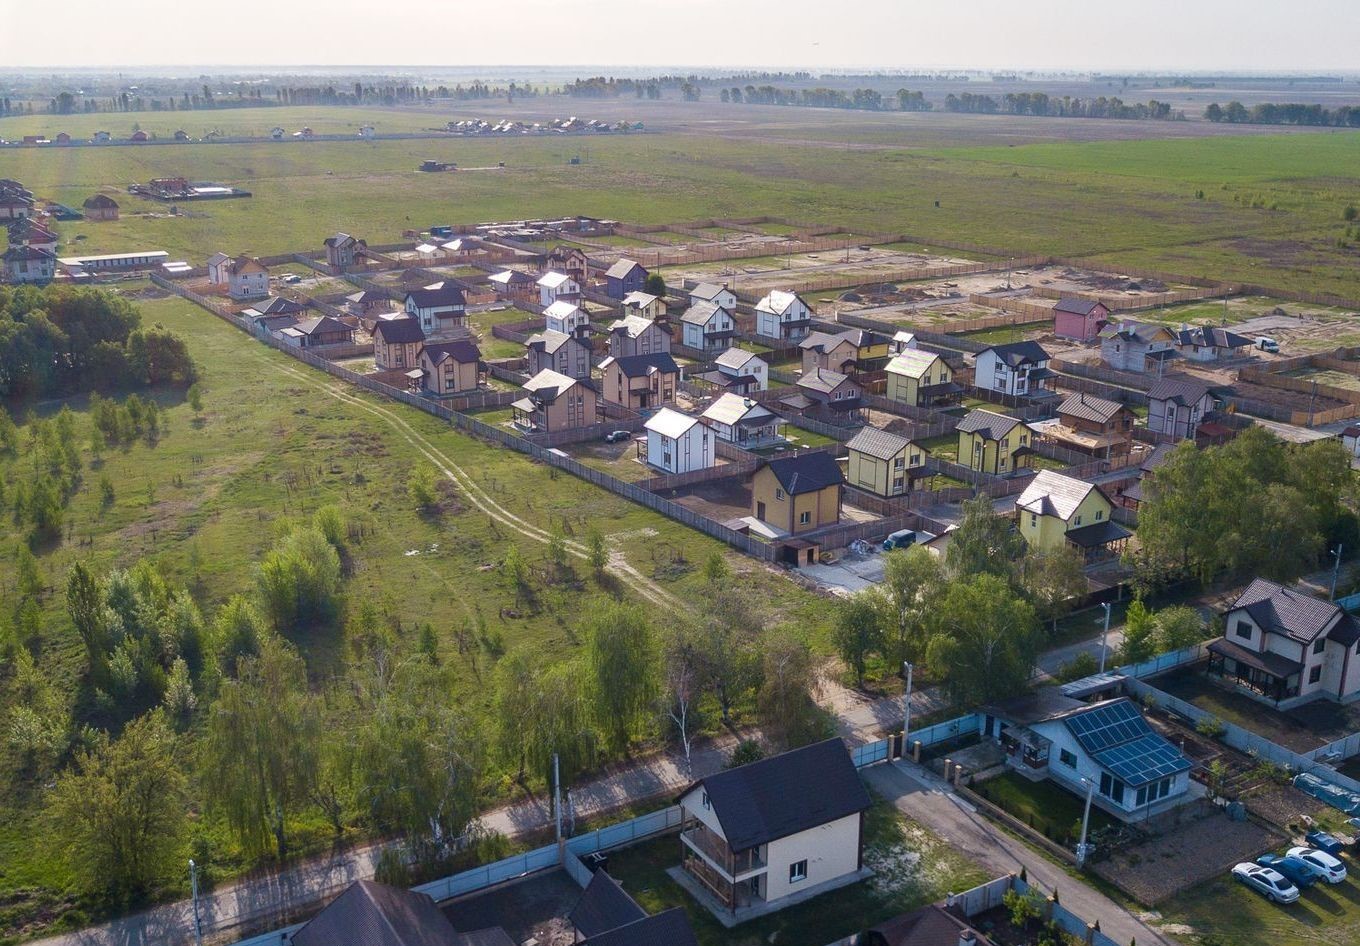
(617, 436)
(1266, 881)
(900, 539)
(292, 278)
(1268, 344)
(1327, 866)
(1295, 869)
(1325, 842)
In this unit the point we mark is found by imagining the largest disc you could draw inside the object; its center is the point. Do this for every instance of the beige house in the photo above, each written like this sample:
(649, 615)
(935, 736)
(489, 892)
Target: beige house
(640, 382)
(397, 343)
(920, 378)
(644, 304)
(247, 278)
(555, 402)
(884, 463)
(449, 367)
(637, 335)
(799, 493)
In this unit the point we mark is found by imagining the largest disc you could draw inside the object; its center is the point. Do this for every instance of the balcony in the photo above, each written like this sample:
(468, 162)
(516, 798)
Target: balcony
(705, 842)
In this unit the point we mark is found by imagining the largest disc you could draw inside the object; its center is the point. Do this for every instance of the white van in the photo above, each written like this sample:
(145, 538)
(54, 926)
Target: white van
(1267, 344)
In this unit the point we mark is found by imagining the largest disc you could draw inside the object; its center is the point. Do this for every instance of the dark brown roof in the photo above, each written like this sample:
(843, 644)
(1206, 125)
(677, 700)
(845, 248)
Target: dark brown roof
(398, 331)
(639, 366)
(877, 443)
(1077, 306)
(1183, 391)
(324, 325)
(820, 379)
(101, 202)
(1280, 610)
(1277, 665)
(437, 296)
(1089, 407)
(374, 914)
(461, 350)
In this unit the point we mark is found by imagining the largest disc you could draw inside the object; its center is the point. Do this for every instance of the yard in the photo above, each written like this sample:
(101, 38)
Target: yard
(911, 868)
(1045, 806)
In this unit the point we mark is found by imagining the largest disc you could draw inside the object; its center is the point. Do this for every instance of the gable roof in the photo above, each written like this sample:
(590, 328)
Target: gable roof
(806, 473)
(912, 363)
(277, 305)
(640, 300)
(374, 914)
(821, 341)
(881, 444)
(701, 313)
(778, 301)
(788, 793)
(671, 423)
(1089, 407)
(1145, 332)
(508, 276)
(989, 424)
(623, 268)
(1115, 735)
(246, 264)
(730, 409)
(550, 341)
(1293, 614)
(1209, 336)
(562, 309)
(23, 253)
(603, 906)
(631, 325)
(398, 331)
(341, 240)
(667, 928)
(436, 295)
(639, 366)
(552, 279)
(736, 358)
(1016, 354)
(462, 350)
(100, 202)
(548, 384)
(932, 925)
(325, 324)
(1051, 493)
(707, 291)
(822, 380)
(1182, 391)
(1078, 306)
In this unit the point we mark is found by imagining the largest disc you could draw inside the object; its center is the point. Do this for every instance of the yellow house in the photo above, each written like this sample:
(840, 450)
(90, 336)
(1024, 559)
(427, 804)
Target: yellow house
(884, 463)
(798, 494)
(1055, 510)
(993, 443)
(919, 378)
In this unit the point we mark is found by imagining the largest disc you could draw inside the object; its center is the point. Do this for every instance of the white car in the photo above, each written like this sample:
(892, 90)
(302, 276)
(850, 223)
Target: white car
(1323, 863)
(1266, 881)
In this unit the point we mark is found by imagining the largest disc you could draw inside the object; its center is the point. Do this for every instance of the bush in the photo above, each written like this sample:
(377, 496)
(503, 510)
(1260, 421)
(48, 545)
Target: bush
(1211, 726)
(745, 752)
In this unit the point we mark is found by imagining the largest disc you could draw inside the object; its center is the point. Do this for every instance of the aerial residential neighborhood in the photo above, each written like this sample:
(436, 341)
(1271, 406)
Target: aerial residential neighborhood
(873, 482)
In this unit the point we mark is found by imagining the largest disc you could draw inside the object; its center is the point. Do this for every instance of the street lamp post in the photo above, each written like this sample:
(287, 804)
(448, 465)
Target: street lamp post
(1104, 634)
(907, 668)
(1082, 849)
(193, 887)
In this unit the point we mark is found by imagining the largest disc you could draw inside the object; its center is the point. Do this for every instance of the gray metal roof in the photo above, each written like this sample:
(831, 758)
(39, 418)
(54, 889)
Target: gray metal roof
(820, 379)
(603, 906)
(622, 268)
(1183, 391)
(668, 928)
(399, 331)
(1077, 306)
(877, 443)
(700, 313)
(374, 914)
(990, 424)
(1052, 494)
(1019, 353)
(1281, 610)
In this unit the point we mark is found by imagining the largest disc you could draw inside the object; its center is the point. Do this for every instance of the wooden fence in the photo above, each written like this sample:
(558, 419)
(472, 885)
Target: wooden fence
(1022, 312)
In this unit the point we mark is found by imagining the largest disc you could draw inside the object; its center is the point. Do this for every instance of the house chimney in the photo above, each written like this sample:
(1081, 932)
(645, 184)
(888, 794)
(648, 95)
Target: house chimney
(967, 938)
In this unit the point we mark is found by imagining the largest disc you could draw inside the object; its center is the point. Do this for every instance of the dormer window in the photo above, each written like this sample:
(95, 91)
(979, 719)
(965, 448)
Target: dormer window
(1243, 630)
(1319, 644)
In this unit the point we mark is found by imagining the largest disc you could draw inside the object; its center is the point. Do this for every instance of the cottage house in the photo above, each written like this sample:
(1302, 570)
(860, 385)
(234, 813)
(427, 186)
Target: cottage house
(15, 206)
(715, 295)
(707, 327)
(884, 463)
(553, 286)
(902, 340)
(637, 335)
(640, 382)
(1141, 347)
(1092, 425)
(397, 343)
(783, 316)
(624, 277)
(742, 421)
(366, 302)
(555, 402)
(557, 351)
(851, 351)
(440, 307)
(1285, 647)
(738, 371)
(679, 443)
(570, 260)
(218, 269)
(799, 493)
(788, 826)
(1177, 406)
(1056, 510)
(102, 137)
(343, 251)
(272, 306)
(1209, 343)
(100, 207)
(567, 318)
(993, 443)
(920, 378)
(247, 278)
(1133, 772)
(30, 264)
(1079, 319)
(513, 286)
(1018, 369)
(450, 367)
(645, 305)
(835, 390)
(1131, 496)
(138, 137)
(317, 333)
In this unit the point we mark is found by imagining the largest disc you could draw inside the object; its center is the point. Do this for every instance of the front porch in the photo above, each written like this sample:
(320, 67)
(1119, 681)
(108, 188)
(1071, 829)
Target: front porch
(1100, 541)
(1266, 676)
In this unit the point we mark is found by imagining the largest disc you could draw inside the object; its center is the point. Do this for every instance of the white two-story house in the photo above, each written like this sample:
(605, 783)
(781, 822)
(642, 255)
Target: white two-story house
(783, 316)
(780, 829)
(1017, 369)
(566, 317)
(679, 443)
(1285, 647)
(707, 327)
(554, 285)
(441, 308)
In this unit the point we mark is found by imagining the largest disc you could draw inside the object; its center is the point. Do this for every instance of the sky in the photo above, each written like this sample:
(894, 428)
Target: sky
(1310, 36)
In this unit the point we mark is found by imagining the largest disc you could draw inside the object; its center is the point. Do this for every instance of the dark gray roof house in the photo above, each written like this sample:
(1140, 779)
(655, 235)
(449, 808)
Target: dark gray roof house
(399, 331)
(1016, 354)
(668, 928)
(991, 425)
(603, 906)
(373, 914)
(1182, 391)
(881, 444)
(437, 295)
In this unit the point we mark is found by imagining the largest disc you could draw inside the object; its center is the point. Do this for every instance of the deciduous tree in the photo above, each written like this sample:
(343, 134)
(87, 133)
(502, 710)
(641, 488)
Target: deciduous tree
(621, 656)
(985, 642)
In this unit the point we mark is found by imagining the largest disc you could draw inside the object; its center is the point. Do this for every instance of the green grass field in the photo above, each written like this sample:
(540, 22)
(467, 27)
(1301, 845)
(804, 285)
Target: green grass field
(1224, 911)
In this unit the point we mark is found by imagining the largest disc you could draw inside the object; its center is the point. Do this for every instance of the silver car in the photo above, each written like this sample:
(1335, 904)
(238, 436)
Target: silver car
(1266, 881)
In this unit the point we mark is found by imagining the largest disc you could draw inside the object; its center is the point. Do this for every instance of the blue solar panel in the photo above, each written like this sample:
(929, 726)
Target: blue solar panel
(1107, 726)
(1120, 740)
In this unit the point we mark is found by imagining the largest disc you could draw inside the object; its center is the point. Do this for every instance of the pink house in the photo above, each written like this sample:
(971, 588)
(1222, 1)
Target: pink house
(1079, 318)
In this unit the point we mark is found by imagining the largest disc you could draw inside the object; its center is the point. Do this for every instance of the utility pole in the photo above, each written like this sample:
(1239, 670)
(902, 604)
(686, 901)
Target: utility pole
(1336, 569)
(193, 886)
(907, 668)
(1104, 634)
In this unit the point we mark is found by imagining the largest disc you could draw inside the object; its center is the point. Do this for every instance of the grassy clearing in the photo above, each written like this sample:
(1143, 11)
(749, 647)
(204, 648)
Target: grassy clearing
(1224, 911)
(1044, 806)
(911, 868)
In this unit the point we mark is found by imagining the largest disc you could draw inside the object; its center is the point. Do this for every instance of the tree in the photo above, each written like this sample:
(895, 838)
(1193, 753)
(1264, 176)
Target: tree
(558, 560)
(195, 397)
(1053, 580)
(912, 581)
(299, 580)
(596, 551)
(515, 573)
(259, 749)
(85, 605)
(725, 643)
(784, 699)
(985, 642)
(1139, 628)
(420, 485)
(857, 633)
(716, 572)
(238, 633)
(118, 814)
(984, 543)
(681, 675)
(655, 285)
(621, 658)
(1178, 627)
(514, 684)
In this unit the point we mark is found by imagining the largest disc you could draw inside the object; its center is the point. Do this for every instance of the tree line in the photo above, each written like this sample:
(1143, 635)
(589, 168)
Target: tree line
(1037, 103)
(1286, 113)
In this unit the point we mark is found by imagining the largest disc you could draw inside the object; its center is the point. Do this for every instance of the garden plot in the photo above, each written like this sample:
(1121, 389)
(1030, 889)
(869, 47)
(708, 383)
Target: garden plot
(763, 273)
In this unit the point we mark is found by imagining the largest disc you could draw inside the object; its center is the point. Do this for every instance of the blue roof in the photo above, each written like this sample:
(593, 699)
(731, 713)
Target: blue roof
(1118, 738)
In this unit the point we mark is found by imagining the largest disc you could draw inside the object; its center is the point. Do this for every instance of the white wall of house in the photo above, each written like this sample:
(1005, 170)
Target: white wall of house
(755, 368)
(568, 323)
(830, 850)
(547, 295)
(693, 803)
(772, 325)
(1066, 746)
(248, 285)
(727, 299)
(992, 374)
(692, 450)
(696, 335)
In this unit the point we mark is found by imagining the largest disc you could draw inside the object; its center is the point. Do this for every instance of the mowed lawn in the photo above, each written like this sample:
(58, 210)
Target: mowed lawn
(1225, 912)
(1271, 211)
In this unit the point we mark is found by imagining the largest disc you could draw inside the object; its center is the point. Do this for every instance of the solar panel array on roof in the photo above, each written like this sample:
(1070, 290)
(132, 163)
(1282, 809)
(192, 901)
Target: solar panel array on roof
(1144, 760)
(1120, 741)
(1106, 726)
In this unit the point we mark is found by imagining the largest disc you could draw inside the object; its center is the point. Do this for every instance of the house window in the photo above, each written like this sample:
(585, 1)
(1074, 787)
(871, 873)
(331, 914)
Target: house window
(707, 805)
(804, 518)
(1315, 674)
(797, 871)
(1319, 644)
(1100, 514)
(1244, 629)
(1033, 520)
(779, 495)
(1077, 521)
(1112, 788)
(1067, 758)
(899, 463)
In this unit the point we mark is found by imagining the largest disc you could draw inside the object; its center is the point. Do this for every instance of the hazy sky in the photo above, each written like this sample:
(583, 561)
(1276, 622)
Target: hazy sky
(1297, 35)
